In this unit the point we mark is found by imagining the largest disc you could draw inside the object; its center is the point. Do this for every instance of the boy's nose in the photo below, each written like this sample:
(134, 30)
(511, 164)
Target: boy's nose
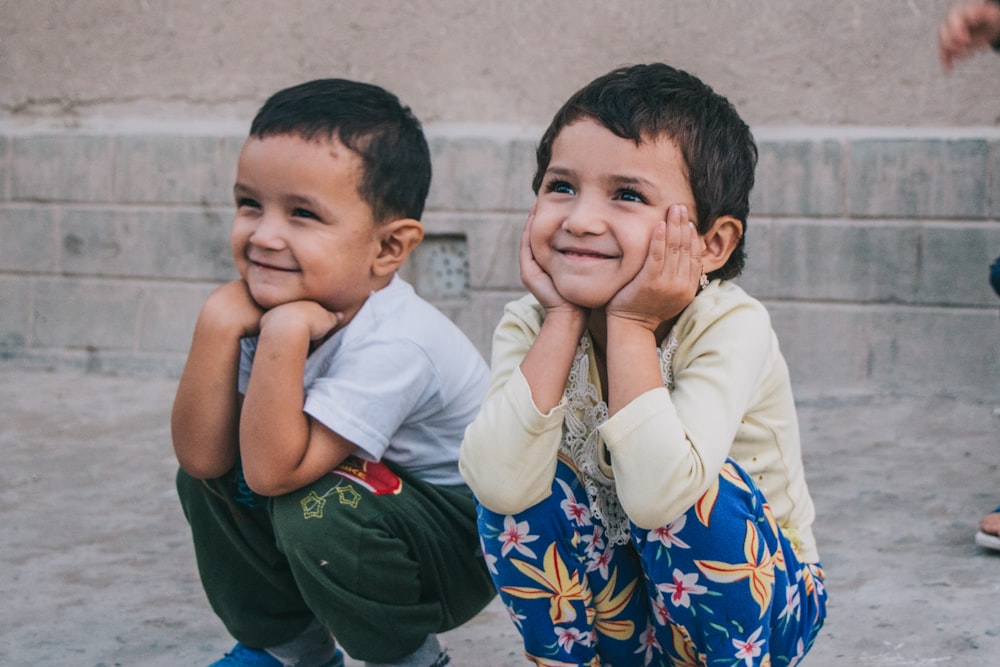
(583, 219)
(269, 232)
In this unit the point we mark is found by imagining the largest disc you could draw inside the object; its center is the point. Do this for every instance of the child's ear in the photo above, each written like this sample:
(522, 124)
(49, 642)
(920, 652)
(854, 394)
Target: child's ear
(398, 238)
(720, 241)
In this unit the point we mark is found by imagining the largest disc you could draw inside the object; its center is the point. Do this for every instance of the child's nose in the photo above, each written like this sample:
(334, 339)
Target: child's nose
(269, 232)
(584, 219)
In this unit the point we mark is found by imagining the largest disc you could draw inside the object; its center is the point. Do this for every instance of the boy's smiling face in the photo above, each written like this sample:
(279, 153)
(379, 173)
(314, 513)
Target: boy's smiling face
(600, 199)
(301, 230)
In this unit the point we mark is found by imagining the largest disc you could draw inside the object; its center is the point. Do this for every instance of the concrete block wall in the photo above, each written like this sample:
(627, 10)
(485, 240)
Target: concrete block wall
(870, 246)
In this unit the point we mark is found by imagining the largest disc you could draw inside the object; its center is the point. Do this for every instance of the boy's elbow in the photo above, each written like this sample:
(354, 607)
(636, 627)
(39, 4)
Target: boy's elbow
(263, 484)
(203, 469)
(271, 482)
(269, 490)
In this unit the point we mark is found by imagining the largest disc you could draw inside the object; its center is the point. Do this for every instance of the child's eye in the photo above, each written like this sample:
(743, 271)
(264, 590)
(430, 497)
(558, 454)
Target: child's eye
(246, 202)
(631, 195)
(304, 213)
(561, 187)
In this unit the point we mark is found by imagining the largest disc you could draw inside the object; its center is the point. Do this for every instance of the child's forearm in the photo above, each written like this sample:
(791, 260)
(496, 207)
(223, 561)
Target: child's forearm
(205, 415)
(659, 471)
(633, 362)
(283, 448)
(273, 429)
(509, 452)
(547, 363)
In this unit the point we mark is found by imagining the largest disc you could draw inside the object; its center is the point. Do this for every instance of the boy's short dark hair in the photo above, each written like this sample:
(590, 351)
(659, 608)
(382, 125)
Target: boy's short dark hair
(646, 102)
(370, 121)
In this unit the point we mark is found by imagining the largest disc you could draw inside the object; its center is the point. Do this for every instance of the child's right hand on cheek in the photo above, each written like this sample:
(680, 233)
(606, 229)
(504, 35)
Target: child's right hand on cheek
(534, 277)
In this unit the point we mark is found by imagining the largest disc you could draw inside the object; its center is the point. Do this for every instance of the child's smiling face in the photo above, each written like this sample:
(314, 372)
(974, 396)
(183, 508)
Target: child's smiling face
(600, 199)
(301, 230)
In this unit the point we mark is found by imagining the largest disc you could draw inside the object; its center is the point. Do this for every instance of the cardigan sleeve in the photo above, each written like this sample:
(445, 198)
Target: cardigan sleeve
(667, 447)
(509, 452)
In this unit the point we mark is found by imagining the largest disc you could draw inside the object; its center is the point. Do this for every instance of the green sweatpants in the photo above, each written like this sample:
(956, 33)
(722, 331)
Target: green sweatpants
(380, 571)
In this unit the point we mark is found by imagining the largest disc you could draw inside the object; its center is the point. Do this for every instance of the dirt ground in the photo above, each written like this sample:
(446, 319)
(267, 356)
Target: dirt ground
(98, 568)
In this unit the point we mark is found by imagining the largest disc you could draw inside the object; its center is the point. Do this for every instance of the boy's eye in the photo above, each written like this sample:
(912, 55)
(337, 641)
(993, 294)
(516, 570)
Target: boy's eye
(304, 213)
(562, 187)
(631, 195)
(246, 202)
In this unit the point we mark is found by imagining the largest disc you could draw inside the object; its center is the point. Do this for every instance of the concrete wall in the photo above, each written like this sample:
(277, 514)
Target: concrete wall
(782, 62)
(876, 214)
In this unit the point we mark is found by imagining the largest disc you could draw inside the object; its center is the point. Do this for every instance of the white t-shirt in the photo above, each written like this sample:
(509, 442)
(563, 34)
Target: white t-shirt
(400, 381)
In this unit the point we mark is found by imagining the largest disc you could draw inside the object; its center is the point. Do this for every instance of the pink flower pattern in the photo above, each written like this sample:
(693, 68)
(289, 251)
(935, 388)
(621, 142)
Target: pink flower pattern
(667, 535)
(749, 649)
(682, 588)
(515, 535)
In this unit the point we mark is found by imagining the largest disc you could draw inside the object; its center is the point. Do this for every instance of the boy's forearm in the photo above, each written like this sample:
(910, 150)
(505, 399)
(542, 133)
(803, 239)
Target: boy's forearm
(204, 418)
(273, 429)
(281, 446)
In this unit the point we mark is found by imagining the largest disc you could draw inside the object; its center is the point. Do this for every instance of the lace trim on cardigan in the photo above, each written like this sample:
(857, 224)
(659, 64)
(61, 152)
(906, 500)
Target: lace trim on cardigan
(586, 411)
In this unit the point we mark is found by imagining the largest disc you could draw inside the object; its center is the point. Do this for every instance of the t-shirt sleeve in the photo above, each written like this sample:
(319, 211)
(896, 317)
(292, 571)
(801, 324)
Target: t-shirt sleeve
(370, 391)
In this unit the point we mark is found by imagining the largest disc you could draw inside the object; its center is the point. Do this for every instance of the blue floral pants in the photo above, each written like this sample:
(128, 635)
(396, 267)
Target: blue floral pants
(721, 585)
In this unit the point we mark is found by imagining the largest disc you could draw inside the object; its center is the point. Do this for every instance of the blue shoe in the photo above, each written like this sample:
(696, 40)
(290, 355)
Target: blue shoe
(242, 656)
(995, 275)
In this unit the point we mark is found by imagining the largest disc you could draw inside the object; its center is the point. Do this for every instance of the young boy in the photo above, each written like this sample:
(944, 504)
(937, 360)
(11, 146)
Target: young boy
(318, 418)
(637, 457)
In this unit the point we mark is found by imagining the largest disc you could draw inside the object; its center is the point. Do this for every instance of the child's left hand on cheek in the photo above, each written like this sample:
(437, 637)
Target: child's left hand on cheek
(668, 280)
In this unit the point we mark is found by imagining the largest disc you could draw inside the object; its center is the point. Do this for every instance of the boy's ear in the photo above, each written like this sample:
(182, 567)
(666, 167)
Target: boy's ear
(720, 241)
(398, 238)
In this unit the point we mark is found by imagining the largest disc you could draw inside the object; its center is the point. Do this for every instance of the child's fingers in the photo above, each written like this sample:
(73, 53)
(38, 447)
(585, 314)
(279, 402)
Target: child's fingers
(327, 322)
(526, 231)
(526, 256)
(695, 248)
(679, 242)
(657, 254)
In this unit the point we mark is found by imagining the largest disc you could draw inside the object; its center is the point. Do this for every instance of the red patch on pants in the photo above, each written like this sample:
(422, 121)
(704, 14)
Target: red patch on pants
(374, 476)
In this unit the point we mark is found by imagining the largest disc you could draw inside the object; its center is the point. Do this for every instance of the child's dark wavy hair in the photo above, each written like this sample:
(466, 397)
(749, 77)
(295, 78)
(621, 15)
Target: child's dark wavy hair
(371, 122)
(646, 102)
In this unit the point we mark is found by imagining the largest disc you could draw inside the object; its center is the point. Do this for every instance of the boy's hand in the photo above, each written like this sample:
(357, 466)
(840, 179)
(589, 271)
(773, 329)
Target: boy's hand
(534, 277)
(300, 318)
(668, 280)
(231, 306)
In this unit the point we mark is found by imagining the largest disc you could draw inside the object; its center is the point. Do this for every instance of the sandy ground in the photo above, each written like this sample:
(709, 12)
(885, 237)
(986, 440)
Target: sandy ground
(98, 569)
